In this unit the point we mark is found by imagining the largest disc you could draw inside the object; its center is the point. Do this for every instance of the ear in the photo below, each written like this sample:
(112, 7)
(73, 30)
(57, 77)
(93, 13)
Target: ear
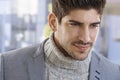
(52, 21)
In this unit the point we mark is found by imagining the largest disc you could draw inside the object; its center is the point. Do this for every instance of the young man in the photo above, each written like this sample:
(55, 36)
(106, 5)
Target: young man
(68, 53)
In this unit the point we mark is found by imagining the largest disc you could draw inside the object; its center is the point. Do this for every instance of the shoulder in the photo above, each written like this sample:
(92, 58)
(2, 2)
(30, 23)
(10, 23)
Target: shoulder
(106, 64)
(20, 54)
(23, 52)
(104, 59)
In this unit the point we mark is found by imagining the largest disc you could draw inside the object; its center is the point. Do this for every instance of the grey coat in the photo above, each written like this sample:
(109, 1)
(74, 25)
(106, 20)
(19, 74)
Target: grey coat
(28, 64)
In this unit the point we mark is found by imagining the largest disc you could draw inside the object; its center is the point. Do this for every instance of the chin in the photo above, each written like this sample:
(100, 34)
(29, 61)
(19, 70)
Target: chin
(82, 57)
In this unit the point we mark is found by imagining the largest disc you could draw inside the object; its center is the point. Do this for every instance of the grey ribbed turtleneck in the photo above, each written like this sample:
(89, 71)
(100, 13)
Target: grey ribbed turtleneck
(60, 67)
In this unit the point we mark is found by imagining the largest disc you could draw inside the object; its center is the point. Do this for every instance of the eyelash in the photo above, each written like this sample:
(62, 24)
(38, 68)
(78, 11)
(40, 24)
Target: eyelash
(92, 25)
(74, 24)
(95, 25)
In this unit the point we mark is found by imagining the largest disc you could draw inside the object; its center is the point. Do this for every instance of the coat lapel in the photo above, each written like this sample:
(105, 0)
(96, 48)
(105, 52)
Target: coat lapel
(36, 66)
(95, 68)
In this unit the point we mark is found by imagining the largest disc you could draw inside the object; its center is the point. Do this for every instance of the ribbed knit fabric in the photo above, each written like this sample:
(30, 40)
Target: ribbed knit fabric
(60, 67)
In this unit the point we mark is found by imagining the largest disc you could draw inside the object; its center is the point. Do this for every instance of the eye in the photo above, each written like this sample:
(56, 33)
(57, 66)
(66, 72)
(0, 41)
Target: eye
(74, 24)
(95, 25)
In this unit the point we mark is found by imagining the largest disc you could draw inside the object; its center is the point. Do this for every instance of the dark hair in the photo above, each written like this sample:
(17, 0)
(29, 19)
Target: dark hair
(62, 7)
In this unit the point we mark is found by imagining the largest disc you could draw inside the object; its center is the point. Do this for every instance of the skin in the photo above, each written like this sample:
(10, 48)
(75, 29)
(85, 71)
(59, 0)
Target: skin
(76, 34)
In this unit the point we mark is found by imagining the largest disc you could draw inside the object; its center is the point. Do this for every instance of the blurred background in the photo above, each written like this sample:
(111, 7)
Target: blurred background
(24, 23)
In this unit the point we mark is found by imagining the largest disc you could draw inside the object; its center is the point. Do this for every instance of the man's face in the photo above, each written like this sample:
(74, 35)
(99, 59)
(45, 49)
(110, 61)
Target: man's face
(77, 32)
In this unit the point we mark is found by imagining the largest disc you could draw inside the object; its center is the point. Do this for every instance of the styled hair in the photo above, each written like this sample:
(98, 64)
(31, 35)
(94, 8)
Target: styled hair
(63, 7)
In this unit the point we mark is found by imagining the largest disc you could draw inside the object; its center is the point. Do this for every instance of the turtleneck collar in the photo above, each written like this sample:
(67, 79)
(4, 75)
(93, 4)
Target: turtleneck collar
(57, 58)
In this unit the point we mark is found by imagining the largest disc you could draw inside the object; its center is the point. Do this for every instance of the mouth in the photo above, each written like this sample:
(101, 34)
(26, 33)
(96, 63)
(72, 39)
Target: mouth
(82, 48)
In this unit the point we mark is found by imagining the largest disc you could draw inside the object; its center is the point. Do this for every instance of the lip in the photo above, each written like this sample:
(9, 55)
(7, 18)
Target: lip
(82, 48)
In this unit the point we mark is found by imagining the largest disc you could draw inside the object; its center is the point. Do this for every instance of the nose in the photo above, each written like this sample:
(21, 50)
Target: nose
(85, 35)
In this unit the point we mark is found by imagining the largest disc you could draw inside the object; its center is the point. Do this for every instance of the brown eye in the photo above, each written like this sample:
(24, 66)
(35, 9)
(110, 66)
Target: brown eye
(73, 24)
(95, 25)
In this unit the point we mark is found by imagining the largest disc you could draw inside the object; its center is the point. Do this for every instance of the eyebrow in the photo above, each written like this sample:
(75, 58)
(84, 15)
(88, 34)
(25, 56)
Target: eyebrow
(96, 22)
(77, 22)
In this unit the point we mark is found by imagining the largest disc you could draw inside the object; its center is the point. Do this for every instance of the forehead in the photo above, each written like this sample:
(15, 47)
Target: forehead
(83, 15)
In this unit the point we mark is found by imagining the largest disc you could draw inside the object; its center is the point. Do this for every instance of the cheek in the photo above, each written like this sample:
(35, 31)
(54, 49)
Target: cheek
(71, 32)
(94, 35)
